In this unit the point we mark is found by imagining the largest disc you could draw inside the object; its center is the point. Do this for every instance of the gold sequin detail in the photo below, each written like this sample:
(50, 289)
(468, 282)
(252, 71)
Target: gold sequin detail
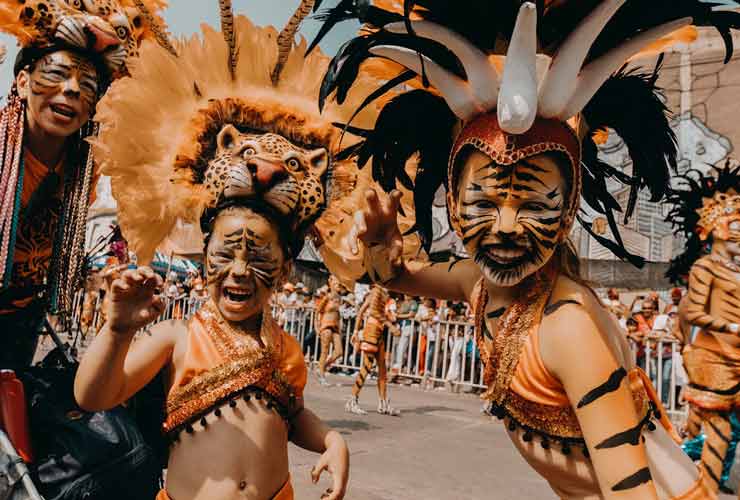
(245, 366)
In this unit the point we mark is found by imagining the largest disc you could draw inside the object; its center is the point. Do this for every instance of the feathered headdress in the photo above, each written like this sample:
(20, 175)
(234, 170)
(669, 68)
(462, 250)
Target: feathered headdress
(161, 128)
(108, 33)
(514, 79)
(700, 205)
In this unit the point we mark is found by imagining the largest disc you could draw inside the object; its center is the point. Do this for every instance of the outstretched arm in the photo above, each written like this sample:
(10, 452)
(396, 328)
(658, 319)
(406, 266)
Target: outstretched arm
(376, 228)
(575, 352)
(114, 367)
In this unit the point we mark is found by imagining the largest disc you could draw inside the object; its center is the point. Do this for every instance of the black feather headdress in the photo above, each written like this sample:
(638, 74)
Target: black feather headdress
(687, 198)
(564, 59)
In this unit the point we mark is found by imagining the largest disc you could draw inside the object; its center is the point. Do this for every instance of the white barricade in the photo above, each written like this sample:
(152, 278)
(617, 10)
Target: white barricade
(447, 346)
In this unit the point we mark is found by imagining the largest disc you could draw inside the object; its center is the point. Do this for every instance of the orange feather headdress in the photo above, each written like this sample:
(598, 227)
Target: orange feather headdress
(150, 125)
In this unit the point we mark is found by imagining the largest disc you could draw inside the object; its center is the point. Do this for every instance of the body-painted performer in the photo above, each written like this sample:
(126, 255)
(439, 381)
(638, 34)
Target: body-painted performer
(707, 213)
(373, 314)
(233, 139)
(511, 139)
(328, 324)
(70, 51)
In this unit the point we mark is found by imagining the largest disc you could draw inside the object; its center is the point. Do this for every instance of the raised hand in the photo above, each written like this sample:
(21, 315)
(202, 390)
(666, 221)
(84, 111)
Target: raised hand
(135, 300)
(378, 224)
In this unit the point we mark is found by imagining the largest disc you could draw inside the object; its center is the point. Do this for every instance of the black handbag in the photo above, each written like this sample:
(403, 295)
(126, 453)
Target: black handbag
(84, 455)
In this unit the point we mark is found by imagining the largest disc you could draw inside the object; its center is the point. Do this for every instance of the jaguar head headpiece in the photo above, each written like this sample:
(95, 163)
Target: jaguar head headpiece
(109, 29)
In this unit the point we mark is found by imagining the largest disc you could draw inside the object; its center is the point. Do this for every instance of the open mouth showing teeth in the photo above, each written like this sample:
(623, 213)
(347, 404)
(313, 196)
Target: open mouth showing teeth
(509, 256)
(63, 110)
(236, 295)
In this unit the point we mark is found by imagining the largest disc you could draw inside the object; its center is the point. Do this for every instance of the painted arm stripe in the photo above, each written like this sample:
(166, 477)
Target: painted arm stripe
(697, 277)
(557, 305)
(630, 436)
(711, 473)
(640, 477)
(497, 313)
(718, 432)
(714, 451)
(706, 270)
(611, 385)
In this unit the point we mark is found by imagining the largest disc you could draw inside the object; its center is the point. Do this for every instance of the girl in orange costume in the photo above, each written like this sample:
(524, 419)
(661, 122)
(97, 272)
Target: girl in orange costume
(246, 154)
(513, 135)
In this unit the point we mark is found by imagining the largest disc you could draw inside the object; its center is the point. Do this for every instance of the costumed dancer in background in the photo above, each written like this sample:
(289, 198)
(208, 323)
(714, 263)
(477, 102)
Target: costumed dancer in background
(233, 139)
(706, 213)
(374, 315)
(70, 52)
(511, 140)
(328, 324)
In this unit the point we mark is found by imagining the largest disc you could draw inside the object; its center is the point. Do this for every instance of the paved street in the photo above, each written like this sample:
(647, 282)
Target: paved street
(441, 448)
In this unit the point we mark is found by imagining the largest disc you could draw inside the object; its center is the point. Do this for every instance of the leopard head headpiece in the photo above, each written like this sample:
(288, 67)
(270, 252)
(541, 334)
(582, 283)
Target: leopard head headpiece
(187, 134)
(109, 29)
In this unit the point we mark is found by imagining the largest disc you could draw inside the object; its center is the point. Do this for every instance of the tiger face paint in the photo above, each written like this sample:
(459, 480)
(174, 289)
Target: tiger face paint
(510, 216)
(244, 261)
(60, 93)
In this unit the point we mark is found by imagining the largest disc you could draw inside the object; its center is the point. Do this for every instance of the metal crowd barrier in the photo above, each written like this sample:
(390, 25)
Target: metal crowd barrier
(453, 355)
(661, 359)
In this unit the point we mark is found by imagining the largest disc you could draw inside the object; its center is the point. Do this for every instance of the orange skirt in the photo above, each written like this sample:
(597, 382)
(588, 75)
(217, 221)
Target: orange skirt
(285, 493)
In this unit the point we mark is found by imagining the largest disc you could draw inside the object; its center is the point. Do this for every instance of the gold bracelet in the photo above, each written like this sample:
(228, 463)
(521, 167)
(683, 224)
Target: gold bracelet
(377, 263)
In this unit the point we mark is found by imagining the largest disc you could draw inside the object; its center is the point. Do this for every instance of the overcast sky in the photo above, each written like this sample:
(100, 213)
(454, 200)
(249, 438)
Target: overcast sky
(184, 18)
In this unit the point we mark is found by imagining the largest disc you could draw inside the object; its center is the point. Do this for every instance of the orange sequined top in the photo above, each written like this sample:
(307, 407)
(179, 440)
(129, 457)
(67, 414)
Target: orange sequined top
(522, 388)
(221, 364)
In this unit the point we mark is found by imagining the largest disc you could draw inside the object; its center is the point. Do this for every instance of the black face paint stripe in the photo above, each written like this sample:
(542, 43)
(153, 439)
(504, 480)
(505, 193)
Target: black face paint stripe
(548, 221)
(531, 166)
(557, 305)
(640, 477)
(611, 385)
(497, 313)
(527, 177)
(553, 194)
(545, 233)
(523, 187)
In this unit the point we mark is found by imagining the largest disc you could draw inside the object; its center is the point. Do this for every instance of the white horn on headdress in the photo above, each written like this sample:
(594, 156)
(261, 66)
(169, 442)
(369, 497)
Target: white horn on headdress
(561, 80)
(455, 91)
(598, 71)
(517, 99)
(482, 75)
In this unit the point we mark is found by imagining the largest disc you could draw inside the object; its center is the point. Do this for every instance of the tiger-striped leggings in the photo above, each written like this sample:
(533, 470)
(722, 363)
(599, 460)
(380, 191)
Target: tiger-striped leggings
(368, 360)
(716, 425)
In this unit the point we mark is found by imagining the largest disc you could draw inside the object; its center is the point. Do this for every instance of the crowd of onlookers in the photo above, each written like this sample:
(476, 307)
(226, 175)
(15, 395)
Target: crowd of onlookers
(415, 341)
(424, 325)
(432, 339)
(182, 290)
(649, 322)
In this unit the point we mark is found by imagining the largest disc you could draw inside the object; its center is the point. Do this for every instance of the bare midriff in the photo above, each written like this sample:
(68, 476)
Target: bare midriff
(243, 454)
(330, 316)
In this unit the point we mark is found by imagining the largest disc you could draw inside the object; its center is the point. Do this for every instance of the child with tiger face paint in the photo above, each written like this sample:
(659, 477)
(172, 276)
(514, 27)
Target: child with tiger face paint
(244, 262)
(515, 151)
(236, 163)
(511, 216)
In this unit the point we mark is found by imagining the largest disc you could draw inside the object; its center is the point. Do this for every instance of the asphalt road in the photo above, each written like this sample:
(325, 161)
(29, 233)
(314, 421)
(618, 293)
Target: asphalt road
(440, 448)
